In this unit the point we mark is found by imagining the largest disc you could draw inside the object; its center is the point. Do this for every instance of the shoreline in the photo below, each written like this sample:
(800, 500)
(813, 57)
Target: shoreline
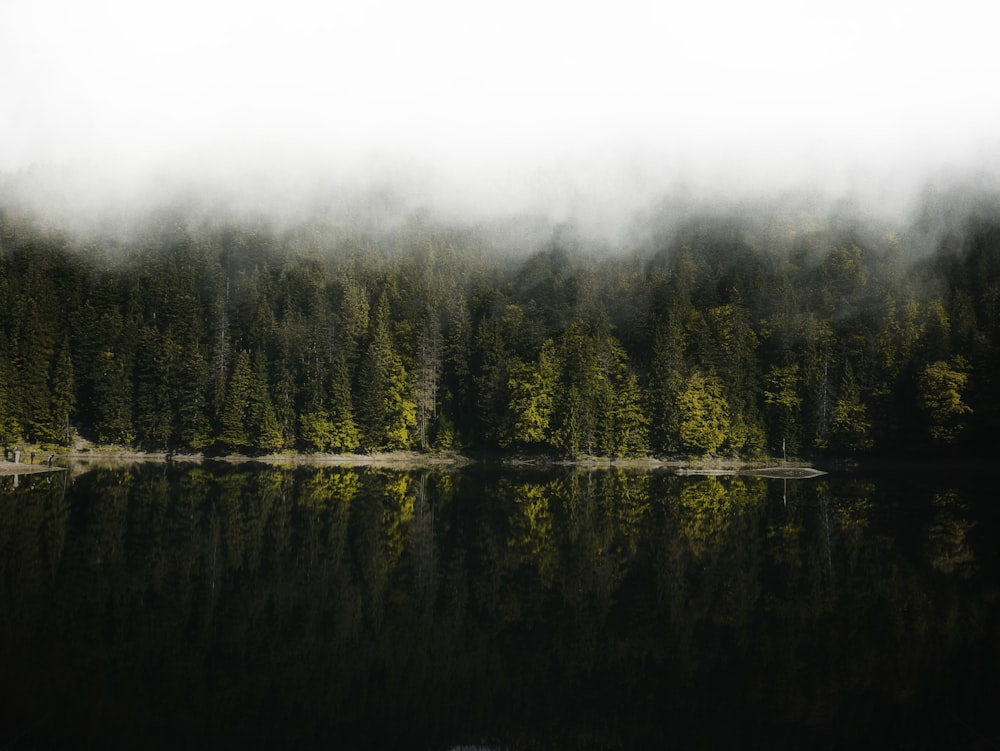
(24, 468)
(404, 460)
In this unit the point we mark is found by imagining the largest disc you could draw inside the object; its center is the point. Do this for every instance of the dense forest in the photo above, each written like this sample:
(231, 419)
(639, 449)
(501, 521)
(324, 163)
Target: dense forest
(737, 332)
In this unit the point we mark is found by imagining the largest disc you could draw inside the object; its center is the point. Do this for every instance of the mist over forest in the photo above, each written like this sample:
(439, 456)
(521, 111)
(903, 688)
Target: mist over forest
(387, 314)
(548, 228)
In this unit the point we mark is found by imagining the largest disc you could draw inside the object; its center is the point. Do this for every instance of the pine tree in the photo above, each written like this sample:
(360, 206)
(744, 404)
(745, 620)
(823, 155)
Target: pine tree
(665, 382)
(330, 425)
(782, 400)
(428, 376)
(154, 383)
(851, 427)
(457, 376)
(386, 412)
(262, 422)
(631, 438)
(10, 429)
(532, 400)
(940, 388)
(193, 428)
(235, 431)
(704, 414)
(113, 380)
(63, 393)
(33, 352)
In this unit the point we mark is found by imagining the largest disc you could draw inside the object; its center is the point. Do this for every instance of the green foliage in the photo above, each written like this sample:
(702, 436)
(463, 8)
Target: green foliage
(62, 393)
(631, 434)
(328, 432)
(113, 395)
(263, 422)
(704, 413)
(941, 386)
(851, 425)
(385, 407)
(532, 397)
(236, 405)
(728, 336)
(782, 389)
(665, 381)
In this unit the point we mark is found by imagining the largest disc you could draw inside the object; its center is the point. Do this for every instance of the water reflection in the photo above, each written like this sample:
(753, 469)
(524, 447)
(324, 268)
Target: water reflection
(353, 608)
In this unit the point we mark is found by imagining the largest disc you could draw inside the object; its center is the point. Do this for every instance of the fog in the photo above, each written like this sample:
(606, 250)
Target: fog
(589, 113)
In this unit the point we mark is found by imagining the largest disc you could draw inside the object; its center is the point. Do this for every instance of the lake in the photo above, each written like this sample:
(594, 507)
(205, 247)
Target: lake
(242, 605)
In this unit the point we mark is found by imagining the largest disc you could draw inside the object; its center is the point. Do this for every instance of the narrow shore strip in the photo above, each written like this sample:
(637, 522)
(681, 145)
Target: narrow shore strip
(23, 468)
(417, 460)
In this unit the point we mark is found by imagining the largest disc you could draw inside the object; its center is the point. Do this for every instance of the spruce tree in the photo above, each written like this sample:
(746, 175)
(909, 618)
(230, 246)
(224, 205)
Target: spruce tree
(704, 413)
(235, 433)
(385, 408)
(62, 393)
(262, 422)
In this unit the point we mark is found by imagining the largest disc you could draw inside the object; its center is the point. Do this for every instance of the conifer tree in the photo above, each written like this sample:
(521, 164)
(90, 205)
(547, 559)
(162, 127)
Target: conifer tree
(782, 400)
(154, 383)
(33, 352)
(113, 381)
(193, 428)
(385, 408)
(262, 422)
(428, 376)
(10, 429)
(664, 385)
(631, 438)
(533, 394)
(704, 414)
(851, 427)
(235, 432)
(62, 393)
(941, 386)
(331, 427)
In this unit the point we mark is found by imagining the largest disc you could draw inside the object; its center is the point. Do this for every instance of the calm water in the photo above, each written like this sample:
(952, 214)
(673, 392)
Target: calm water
(244, 606)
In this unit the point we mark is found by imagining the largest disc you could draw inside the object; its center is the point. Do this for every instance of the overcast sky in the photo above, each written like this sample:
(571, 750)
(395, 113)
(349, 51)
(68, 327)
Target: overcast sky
(623, 95)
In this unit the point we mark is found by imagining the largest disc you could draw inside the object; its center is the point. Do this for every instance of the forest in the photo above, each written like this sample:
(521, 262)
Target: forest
(744, 332)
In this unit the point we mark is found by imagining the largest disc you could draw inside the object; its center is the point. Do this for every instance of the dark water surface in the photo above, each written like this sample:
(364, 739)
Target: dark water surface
(217, 606)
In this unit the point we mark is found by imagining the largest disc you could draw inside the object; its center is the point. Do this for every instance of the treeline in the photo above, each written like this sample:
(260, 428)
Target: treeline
(725, 335)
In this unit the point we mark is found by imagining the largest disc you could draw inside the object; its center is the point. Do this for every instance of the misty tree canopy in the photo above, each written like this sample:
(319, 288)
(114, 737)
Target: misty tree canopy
(723, 334)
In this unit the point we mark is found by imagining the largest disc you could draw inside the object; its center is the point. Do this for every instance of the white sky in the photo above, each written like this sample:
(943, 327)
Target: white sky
(766, 92)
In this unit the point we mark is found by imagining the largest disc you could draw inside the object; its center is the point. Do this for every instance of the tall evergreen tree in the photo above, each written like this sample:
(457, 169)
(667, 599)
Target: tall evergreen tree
(113, 381)
(262, 422)
(235, 430)
(193, 426)
(332, 427)
(665, 381)
(941, 386)
(155, 379)
(428, 376)
(851, 427)
(631, 437)
(704, 413)
(533, 394)
(63, 393)
(385, 409)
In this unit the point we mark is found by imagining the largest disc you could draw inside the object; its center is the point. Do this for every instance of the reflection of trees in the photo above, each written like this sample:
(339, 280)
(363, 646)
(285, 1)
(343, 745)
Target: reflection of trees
(531, 526)
(947, 545)
(853, 508)
(577, 606)
(717, 524)
(579, 532)
(423, 544)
